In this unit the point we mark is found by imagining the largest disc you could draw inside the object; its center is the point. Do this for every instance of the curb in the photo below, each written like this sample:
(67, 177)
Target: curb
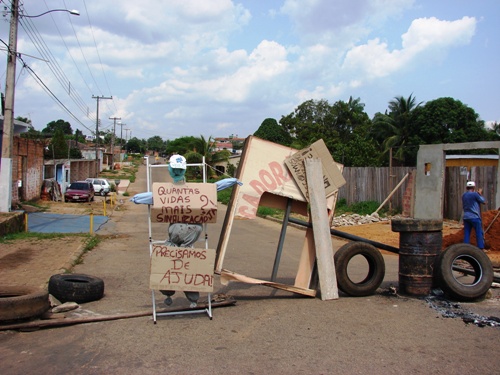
(72, 259)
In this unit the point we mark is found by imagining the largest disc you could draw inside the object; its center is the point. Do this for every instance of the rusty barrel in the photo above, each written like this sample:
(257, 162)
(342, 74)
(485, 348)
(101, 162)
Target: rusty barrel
(420, 242)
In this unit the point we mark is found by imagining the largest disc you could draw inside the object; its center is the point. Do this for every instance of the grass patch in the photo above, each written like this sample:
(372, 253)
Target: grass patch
(268, 211)
(36, 205)
(360, 208)
(9, 238)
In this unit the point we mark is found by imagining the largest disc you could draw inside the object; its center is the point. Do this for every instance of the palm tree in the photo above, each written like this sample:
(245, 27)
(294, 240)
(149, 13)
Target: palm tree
(394, 128)
(206, 148)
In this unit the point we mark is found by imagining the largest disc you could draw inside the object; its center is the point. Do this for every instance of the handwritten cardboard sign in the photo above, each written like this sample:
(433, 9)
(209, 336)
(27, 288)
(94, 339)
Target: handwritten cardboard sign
(332, 176)
(182, 268)
(189, 203)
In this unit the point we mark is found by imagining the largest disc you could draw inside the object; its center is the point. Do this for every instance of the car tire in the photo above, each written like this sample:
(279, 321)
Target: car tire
(21, 302)
(376, 268)
(77, 288)
(452, 287)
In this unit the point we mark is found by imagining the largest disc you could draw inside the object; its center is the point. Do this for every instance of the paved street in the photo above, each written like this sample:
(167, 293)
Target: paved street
(268, 331)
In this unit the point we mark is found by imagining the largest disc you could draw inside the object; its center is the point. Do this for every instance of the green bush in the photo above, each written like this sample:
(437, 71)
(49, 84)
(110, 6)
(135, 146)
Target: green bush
(223, 196)
(365, 208)
(360, 208)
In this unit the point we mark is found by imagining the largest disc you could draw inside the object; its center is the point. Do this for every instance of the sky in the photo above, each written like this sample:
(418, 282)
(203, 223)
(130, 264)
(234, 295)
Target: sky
(219, 68)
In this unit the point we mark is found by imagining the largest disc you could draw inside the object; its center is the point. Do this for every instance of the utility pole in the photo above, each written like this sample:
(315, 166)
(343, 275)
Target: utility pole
(98, 98)
(126, 135)
(113, 142)
(121, 137)
(8, 122)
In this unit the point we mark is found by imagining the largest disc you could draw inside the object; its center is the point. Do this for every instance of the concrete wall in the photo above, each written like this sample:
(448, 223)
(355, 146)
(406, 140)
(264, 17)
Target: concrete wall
(430, 177)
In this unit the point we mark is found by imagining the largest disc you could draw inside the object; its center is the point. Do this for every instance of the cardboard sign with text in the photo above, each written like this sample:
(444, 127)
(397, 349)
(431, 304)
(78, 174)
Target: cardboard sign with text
(182, 268)
(189, 203)
(332, 176)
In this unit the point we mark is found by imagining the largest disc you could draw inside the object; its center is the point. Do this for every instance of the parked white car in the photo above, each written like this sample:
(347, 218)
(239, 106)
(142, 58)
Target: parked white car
(101, 185)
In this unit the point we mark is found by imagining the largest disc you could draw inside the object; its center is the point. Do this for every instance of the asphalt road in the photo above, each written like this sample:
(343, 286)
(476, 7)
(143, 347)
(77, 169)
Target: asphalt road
(268, 331)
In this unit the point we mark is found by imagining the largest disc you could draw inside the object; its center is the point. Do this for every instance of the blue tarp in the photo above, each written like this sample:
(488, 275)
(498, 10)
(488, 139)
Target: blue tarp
(61, 223)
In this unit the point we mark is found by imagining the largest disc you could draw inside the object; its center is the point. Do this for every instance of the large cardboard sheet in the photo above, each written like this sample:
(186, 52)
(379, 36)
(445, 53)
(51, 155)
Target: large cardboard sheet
(264, 173)
(332, 175)
(181, 268)
(189, 203)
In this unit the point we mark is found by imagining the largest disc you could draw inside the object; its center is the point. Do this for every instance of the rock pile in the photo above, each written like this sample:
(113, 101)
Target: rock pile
(355, 219)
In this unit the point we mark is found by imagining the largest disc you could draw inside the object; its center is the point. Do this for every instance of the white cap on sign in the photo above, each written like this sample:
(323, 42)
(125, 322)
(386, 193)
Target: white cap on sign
(177, 161)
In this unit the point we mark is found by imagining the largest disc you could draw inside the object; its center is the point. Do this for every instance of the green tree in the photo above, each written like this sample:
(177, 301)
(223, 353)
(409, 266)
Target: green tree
(58, 148)
(156, 143)
(180, 145)
(308, 123)
(395, 130)
(79, 137)
(494, 132)
(135, 146)
(33, 134)
(25, 120)
(343, 126)
(446, 120)
(270, 130)
(59, 124)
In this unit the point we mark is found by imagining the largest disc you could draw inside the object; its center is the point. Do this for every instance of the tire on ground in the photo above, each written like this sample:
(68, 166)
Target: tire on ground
(481, 265)
(376, 268)
(77, 288)
(22, 302)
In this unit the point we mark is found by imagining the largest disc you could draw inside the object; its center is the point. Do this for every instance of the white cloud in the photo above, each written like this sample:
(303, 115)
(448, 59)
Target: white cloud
(426, 36)
(225, 65)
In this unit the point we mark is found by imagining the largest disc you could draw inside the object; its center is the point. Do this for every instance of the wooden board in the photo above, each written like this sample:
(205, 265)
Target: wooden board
(321, 230)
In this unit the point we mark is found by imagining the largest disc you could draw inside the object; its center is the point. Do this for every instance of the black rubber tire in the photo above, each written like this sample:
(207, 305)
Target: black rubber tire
(77, 288)
(479, 261)
(22, 302)
(376, 268)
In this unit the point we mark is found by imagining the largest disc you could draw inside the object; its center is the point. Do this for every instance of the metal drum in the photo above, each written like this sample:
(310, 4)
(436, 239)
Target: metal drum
(420, 243)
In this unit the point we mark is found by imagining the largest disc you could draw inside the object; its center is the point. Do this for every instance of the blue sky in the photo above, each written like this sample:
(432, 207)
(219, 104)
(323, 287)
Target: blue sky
(220, 67)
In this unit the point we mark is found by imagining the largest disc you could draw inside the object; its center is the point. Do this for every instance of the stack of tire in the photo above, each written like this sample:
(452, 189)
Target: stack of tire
(474, 262)
(448, 273)
(22, 302)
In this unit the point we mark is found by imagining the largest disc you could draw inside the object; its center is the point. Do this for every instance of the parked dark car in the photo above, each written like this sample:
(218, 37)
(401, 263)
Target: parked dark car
(79, 191)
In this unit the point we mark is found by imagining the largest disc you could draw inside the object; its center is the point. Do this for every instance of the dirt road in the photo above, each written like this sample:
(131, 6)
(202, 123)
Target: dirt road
(266, 332)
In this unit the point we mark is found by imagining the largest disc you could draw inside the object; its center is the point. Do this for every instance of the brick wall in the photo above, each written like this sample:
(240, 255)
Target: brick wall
(27, 167)
(409, 195)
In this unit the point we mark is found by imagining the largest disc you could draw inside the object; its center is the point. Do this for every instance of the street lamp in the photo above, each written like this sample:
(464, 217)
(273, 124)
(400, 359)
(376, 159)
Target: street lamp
(73, 12)
(8, 122)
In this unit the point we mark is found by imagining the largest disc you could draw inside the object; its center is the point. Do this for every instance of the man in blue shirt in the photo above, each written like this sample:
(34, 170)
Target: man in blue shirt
(471, 201)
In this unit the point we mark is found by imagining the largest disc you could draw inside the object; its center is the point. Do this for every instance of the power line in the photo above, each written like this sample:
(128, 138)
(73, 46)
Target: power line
(44, 86)
(38, 42)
